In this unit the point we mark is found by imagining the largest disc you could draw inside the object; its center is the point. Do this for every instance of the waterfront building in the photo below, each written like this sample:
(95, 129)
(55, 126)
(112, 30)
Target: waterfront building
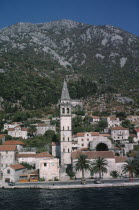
(7, 156)
(49, 169)
(11, 173)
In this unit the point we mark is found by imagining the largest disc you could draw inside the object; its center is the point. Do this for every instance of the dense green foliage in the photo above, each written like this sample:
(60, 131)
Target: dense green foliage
(100, 166)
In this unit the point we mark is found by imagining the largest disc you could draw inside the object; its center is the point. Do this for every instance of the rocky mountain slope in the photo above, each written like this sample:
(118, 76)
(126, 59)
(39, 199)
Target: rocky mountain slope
(106, 54)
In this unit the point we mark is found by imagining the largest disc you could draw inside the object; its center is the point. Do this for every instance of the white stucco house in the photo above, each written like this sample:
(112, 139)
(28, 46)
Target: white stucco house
(19, 144)
(113, 121)
(11, 125)
(7, 156)
(18, 132)
(119, 133)
(114, 163)
(43, 127)
(12, 173)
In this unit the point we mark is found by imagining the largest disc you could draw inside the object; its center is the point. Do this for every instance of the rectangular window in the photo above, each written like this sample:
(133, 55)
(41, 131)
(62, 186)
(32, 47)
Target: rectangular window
(45, 164)
(82, 145)
(8, 171)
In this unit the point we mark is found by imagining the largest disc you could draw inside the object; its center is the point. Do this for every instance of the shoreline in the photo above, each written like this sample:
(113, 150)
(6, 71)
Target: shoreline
(80, 186)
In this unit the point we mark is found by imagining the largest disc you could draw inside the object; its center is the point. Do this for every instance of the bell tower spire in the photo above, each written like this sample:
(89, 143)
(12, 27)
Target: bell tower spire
(65, 128)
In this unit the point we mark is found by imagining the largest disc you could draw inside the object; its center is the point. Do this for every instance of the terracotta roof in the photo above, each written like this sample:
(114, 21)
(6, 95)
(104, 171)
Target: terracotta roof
(137, 129)
(43, 154)
(119, 128)
(93, 154)
(2, 135)
(14, 123)
(25, 155)
(120, 159)
(113, 118)
(42, 125)
(105, 134)
(95, 133)
(17, 166)
(10, 129)
(95, 117)
(80, 134)
(7, 147)
(24, 129)
(14, 142)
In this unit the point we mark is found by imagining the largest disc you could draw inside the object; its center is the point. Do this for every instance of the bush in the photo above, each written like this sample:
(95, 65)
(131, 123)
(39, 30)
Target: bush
(42, 179)
(56, 179)
(114, 174)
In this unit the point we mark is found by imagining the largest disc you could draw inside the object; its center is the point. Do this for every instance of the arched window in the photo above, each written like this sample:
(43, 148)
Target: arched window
(68, 110)
(63, 110)
(63, 128)
(63, 149)
(68, 128)
(63, 138)
(68, 138)
(68, 150)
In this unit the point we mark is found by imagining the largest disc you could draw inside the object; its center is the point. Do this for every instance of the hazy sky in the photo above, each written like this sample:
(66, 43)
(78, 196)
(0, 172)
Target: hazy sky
(121, 13)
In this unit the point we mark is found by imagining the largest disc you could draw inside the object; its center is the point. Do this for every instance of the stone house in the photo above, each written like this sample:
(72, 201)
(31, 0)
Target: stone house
(12, 173)
(41, 156)
(119, 133)
(49, 169)
(7, 155)
(11, 125)
(18, 132)
(114, 163)
(94, 119)
(19, 144)
(113, 121)
(83, 139)
(42, 128)
(28, 158)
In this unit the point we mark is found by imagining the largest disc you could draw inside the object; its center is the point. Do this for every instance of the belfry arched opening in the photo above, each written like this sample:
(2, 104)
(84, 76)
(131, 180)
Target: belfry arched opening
(102, 147)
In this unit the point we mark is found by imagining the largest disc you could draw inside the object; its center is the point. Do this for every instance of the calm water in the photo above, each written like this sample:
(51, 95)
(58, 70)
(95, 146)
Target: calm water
(99, 198)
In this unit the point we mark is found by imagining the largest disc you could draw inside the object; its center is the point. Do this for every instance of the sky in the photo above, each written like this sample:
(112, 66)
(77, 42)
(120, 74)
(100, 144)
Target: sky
(120, 13)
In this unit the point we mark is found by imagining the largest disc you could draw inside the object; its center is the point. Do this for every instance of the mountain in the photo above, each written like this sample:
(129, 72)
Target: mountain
(105, 54)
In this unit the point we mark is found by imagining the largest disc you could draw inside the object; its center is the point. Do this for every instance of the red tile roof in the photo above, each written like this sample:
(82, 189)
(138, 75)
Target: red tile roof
(10, 129)
(2, 135)
(95, 133)
(80, 134)
(93, 154)
(137, 129)
(14, 142)
(7, 147)
(95, 117)
(120, 159)
(119, 128)
(43, 154)
(105, 134)
(25, 155)
(17, 166)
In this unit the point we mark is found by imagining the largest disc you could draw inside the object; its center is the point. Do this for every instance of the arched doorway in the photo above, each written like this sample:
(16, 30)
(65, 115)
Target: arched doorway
(102, 147)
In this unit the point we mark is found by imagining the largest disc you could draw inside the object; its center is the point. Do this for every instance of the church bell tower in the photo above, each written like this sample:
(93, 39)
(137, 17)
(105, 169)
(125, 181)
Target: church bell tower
(65, 128)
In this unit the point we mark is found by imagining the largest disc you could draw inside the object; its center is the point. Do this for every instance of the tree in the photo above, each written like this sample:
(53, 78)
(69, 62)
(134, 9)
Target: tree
(27, 165)
(114, 174)
(101, 125)
(131, 166)
(32, 130)
(70, 172)
(82, 164)
(100, 166)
